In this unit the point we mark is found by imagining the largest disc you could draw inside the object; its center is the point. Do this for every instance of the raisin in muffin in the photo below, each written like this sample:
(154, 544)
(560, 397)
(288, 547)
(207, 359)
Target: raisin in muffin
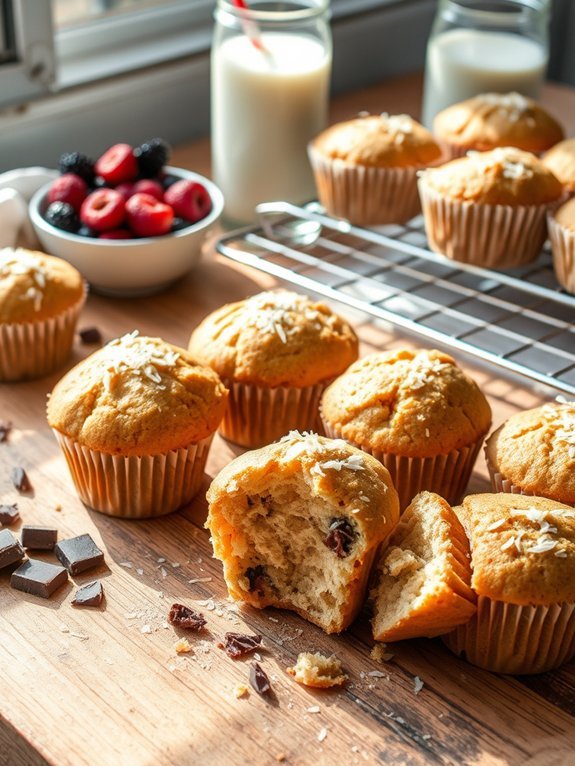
(297, 525)
(40, 300)
(523, 572)
(365, 169)
(135, 421)
(533, 453)
(489, 209)
(490, 120)
(276, 351)
(423, 574)
(417, 412)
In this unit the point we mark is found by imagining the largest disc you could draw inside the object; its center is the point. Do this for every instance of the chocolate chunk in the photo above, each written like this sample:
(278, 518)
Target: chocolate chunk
(9, 514)
(39, 538)
(257, 578)
(10, 549)
(238, 644)
(38, 578)
(79, 554)
(258, 679)
(340, 537)
(5, 428)
(90, 594)
(90, 335)
(183, 617)
(20, 479)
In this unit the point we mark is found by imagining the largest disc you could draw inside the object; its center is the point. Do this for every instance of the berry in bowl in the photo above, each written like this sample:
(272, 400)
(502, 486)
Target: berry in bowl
(130, 223)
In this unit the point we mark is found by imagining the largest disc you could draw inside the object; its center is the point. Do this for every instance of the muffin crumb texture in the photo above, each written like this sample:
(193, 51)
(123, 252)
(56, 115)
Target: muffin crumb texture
(318, 671)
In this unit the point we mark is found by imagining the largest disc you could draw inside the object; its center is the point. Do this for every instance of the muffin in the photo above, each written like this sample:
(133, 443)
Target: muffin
(365, 169)
(561, 225)
(276, 352)
(488, 209)
(135, 421)
(297, 525)
(417, 412)
(40, 300)
(490, 120)
(561, 162)
(523, 572)
(423, 581)
(533, 453)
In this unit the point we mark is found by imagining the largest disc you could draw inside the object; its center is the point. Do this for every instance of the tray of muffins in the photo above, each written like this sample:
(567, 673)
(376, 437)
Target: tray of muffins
(465, 236)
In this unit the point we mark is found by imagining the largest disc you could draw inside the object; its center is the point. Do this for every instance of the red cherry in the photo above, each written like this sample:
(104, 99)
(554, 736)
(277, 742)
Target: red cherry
(147, 216)
(68, 188)
(147, 186)
(126, 190)
(189, 199)
(117, 165)
(103, 209)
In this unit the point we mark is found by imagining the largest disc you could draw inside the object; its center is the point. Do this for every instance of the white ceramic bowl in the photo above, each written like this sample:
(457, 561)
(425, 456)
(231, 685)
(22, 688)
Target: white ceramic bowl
(129, 267)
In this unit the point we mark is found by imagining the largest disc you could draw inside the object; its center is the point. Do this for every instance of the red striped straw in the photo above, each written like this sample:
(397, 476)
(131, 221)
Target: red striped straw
(250, 27)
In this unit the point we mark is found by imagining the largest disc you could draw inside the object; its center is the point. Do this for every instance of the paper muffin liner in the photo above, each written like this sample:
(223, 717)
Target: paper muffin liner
(257, 415)
(500, 483)
(490, 236)
(34, 349)
(515, 639)
(135, 487)
(363, 195)
(447, 475)
(563, 248)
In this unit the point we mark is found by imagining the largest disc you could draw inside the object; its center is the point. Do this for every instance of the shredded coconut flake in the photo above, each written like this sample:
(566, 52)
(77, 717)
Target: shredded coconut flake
(137, 356)
(417, 684)
(21, 262)
(496, 525)
(275, 313)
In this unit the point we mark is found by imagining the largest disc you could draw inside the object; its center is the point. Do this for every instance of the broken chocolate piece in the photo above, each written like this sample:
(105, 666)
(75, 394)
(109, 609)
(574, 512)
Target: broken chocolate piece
(39, 538)
(90, 335)
(9, 514)
(183, 617)
(38, 578)
(259, 679)
(90, 594)
(10, 549)
(238, 644)
(257, 579)
(79, 554)
(5, 428)
(340, 537)
(20, 479)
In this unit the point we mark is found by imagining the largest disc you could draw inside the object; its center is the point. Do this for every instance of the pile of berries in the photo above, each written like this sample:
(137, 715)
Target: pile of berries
(125, 194)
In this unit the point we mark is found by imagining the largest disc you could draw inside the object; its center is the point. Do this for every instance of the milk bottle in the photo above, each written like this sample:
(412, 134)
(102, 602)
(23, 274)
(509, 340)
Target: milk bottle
(269, 98)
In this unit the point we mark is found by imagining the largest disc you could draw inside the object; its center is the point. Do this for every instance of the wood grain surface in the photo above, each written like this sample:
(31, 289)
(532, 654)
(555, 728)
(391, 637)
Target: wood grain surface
(105, 686)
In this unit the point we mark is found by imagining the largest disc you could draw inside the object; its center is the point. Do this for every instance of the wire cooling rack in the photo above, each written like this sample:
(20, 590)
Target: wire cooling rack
(518, 319)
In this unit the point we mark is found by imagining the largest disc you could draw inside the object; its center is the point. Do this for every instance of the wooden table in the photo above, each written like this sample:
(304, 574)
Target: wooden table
(105, 686)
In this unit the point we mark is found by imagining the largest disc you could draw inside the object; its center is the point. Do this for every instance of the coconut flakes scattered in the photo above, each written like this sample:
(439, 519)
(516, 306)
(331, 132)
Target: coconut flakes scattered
(512, 105)
(421, 371)
(353, 462)
(544, 542)
(276, 313)
(322, 734)
(313, 709)
(19, 262)
(417, 684)
(137, 356)
(496, 525)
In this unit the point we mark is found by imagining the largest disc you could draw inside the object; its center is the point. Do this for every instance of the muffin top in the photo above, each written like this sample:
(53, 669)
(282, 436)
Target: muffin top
(535, 450)
(500, 177)
(561, 162)
(35, 286)
(345, 476)
(137, 396)
(275, 339)
(565, 215)
(522, 548)
(387, 141)
(416, 403)
(498, 119)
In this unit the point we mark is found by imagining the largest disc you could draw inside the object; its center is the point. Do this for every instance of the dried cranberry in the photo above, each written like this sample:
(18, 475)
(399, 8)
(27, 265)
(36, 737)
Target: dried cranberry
(340, 537)
(183, 617)
(238, 644)
(258, 579)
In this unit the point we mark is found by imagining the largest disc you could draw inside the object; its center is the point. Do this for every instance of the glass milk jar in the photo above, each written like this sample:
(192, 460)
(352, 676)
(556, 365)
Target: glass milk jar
(479, 46)
(271, 66)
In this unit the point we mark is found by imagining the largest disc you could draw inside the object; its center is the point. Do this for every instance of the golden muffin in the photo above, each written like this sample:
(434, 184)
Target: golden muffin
(40, 300)
(276, 351)
(561, 224)
(365, 169)
(560, 160)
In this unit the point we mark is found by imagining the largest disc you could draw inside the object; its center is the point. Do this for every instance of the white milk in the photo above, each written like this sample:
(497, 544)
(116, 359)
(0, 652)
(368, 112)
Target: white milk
(462, 63)
(264, 112)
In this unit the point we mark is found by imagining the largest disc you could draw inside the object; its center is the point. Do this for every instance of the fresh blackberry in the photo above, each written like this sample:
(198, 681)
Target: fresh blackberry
(74, 162)
(152, 156)
(86, 231)
(178, 224)
(63, 216)
(168, 181)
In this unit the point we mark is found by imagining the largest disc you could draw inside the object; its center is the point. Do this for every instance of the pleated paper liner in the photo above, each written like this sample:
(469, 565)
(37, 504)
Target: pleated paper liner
(447, 475)
(490, 236)
(257, 416)
(563, 248)
(136, 487)
(500, 484)
(515, 639)
(34, 349)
